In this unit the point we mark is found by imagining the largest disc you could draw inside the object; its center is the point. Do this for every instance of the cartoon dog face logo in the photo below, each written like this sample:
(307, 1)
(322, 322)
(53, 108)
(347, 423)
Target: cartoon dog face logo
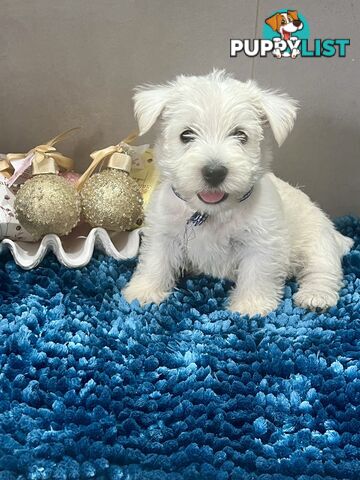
(286, 24)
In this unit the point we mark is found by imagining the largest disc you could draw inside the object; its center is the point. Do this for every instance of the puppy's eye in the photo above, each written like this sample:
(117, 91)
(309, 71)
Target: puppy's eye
(187, 136)
(239, 135)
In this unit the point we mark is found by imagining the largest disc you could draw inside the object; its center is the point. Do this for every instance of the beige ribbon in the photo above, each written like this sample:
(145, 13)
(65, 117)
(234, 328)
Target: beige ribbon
(43, 159)
(6, 170)
(47, 159)
(118, 159)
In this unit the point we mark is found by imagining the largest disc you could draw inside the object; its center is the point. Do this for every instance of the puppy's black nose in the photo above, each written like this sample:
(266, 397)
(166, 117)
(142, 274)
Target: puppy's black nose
(296, 23)
(214, 175)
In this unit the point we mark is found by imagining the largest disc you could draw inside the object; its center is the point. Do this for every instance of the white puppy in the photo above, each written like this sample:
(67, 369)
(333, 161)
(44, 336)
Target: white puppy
(219, 211)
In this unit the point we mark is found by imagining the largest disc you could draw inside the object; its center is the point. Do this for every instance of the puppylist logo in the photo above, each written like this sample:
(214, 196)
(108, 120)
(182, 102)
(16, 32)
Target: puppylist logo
(286, 34)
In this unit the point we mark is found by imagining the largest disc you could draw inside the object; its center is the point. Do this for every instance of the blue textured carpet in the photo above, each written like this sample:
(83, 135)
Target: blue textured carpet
(91, 388)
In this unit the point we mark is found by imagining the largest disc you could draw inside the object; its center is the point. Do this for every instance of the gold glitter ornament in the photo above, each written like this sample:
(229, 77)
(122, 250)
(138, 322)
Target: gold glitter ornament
(47, 203)
(112, 199)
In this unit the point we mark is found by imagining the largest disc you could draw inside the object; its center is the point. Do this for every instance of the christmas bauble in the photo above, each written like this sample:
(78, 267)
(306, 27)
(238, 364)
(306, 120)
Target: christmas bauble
(47, 203)
(112, 200)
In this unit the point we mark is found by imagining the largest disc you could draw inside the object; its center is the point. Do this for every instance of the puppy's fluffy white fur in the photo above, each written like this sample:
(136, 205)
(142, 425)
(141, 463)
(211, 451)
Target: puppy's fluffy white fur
(274, 234)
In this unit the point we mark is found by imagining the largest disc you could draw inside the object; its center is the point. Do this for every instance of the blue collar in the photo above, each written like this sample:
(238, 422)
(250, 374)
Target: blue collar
(198, 218)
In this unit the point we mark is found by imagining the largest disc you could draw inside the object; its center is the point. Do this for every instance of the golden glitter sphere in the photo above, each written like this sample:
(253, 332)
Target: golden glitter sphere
(46, 204)
(112, 199)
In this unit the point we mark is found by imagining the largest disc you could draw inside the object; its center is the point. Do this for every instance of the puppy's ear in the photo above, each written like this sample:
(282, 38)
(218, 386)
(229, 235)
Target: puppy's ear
(293, 14)
(149, 102)
(280, 112)
(274, 21)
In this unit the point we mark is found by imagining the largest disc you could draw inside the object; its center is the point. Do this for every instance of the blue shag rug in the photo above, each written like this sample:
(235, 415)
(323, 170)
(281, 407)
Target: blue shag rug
(91, 387)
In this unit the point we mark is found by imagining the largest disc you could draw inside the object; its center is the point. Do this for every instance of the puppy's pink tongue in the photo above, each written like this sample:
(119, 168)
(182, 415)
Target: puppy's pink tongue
(211, 197)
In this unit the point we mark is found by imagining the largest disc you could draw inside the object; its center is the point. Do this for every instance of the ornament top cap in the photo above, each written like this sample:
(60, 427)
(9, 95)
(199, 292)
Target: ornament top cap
(119, 158)
(47, 160)
(44, 159)
(120, 161)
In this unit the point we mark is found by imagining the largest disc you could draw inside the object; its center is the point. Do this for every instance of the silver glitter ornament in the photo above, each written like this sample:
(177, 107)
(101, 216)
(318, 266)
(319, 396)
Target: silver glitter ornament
(112, 199)
(46, 204)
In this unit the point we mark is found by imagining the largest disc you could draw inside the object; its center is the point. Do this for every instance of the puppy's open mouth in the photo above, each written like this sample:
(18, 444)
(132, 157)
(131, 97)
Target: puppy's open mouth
(286, 35)
(212, 197)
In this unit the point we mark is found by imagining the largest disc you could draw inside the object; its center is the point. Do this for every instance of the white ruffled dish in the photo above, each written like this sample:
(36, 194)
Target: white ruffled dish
(76, 249)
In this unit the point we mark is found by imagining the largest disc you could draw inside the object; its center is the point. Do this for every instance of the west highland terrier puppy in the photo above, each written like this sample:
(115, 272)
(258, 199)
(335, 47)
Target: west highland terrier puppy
(218, 209)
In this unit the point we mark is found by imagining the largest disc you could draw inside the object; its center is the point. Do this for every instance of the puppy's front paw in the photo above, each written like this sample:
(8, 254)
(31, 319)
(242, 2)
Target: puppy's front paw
(310, 298)
(253, 306)
(143, 291)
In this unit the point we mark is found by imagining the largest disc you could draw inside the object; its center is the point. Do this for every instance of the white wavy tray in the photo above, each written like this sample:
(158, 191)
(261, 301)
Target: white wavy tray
(76, 249)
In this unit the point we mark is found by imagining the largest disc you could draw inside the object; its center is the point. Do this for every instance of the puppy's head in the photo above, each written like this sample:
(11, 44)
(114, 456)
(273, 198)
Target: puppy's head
(211, 134)
(285, 23)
